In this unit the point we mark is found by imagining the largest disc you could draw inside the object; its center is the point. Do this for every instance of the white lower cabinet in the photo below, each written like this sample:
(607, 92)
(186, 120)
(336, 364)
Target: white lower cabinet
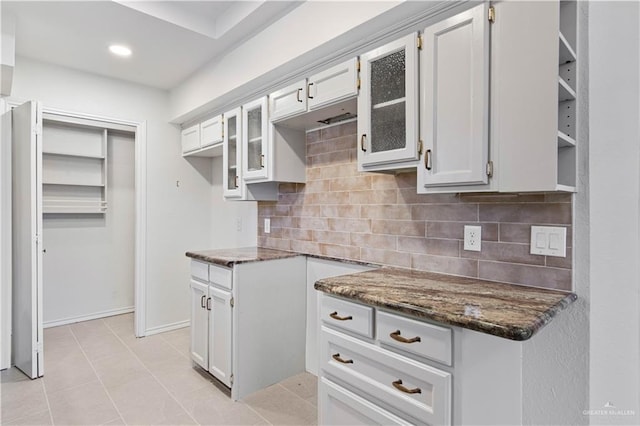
(220, 327)
(199, 324)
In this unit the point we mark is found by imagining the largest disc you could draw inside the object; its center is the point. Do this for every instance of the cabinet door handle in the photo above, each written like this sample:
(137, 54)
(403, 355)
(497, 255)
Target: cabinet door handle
(236, 182)
(427, 159)
(335, 316)
(202, 305)
(309, 90)
(262, 161)
(362, 139)
(343, 361)
(398, 385)
(208, 303)
(396, 336)
(298, 94)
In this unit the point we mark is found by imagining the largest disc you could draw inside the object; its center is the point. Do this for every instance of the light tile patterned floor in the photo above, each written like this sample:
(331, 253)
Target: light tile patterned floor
(98, 373)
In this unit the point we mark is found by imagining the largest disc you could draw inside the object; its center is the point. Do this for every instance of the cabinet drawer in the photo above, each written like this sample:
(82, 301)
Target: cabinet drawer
(420, 338)
(347, 316)
(404, 385)
(200, 270)
(222, 277)
(338, 406)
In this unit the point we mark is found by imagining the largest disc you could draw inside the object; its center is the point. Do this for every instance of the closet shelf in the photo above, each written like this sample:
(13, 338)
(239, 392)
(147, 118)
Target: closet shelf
(74, 155)
(565, 92)
(565, 140)
(566, 54)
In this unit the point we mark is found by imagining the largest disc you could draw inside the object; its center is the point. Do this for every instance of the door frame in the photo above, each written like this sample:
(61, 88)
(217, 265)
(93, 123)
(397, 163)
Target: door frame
(140, 225)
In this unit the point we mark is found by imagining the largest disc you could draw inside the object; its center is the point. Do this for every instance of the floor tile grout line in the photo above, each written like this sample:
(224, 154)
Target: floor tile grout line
(174, 347)
(152, 374)
(257, 413)
(292, 392)
(46, 397)
(96, 372)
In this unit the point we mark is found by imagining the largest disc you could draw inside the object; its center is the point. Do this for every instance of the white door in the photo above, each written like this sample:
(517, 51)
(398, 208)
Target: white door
(191, 138)
(27, 338)
(332, 85)
(454, 110)
(220, 335)
(199, 324)
(388, 104)
(288, 101)
(255, 135)
(211, 131)
(232, 185)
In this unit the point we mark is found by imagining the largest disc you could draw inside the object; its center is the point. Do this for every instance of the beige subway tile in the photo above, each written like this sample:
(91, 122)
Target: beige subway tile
(340, 251)
(353, 183)
(305, 211)
(292, 198)
(309, 247)
(314, 173)
(405, 180)
(331, 237)
(349, 225)
(313, 136)
(318, 186)
(537, 276)
(386, 257)
(329, 158)
(445, 212)
(387, 242)
(549, 213)
(398, 227)
(313, 223)
(298, 234)
(386, 211)
(455, 230)
(341, 197)
(558, 197)
(445, 265)
(316, 148)
(561, 262)
(283, 222)
(435, 246)
(267, 208)
(493, 198)
(340, 130)
(409, 196)
(275, 243)
(282, 210)
(521, 233)
(336, 210)
(339, 170)
(382, 196)
(504, 252)
(284, 188)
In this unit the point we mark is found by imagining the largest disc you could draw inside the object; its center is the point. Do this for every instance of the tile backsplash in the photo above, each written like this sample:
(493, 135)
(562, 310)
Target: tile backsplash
(379, 218)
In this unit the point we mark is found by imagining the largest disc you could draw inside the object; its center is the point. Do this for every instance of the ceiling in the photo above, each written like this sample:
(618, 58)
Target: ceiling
(169, 39)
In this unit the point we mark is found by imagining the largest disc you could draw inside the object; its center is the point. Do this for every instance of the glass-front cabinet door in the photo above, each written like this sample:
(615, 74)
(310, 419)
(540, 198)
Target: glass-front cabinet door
(232, 155)
(388, 105)
(255, 139)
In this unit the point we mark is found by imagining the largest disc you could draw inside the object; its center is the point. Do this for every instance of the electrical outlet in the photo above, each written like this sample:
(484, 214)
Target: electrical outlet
(267, 225)
(238, 224)
(472, 237)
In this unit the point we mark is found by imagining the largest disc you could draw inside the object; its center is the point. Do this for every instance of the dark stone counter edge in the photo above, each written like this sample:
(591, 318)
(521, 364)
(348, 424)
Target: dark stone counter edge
(500, 330)
(286, 254)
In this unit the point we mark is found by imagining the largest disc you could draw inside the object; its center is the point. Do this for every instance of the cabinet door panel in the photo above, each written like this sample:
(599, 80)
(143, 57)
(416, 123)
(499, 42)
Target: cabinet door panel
(199, 324)
(334, 84)
(255, 140)
(454, 100)
(388, 104)
(232, 184)
(220, 335)
(288, 101)
(211, 131)
(191, 138)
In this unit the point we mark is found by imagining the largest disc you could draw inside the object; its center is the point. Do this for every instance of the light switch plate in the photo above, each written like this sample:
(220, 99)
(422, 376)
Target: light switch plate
(549, 241)
(267, 225)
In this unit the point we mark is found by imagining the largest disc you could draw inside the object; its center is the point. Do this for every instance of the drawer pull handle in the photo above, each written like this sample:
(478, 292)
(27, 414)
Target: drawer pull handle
(335, 316)
(208, 303)
(396, 336)
(398, 385)
(362, 139)
(344, 361)
(202, 305)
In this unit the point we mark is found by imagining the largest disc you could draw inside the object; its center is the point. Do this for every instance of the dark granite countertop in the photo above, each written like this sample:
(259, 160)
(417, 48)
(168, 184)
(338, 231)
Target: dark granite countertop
(511, 311)
(230, 257)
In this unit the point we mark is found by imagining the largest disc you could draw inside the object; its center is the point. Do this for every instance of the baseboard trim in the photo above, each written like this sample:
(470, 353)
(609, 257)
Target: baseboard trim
(168, 327)
(97, 315)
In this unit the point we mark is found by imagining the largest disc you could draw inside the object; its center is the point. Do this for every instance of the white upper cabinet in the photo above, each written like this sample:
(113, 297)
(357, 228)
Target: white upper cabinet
(289, 101)
(332, 85)
(191, 138)
(388, 106)
(203, 139)
(233, 186)
(255, 140)
(454, 101)
(211, 131)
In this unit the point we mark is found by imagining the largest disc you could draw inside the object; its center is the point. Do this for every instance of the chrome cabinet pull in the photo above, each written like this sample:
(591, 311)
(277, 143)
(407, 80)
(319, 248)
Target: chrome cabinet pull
(396, 336)
(309, 90)
(362, 139)
(343, 361)
(298, 94)
(398, 385)
(208, 304)
(202, 301)
(427, 159)
(335, 316)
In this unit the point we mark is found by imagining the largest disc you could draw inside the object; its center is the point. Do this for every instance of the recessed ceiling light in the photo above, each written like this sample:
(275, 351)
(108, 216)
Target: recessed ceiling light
(120, 50)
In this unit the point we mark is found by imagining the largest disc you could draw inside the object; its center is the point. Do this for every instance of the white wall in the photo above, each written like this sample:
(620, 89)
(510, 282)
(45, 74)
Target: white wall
(88, 267)
(180, 213)
(5, 241)
(614, 179)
